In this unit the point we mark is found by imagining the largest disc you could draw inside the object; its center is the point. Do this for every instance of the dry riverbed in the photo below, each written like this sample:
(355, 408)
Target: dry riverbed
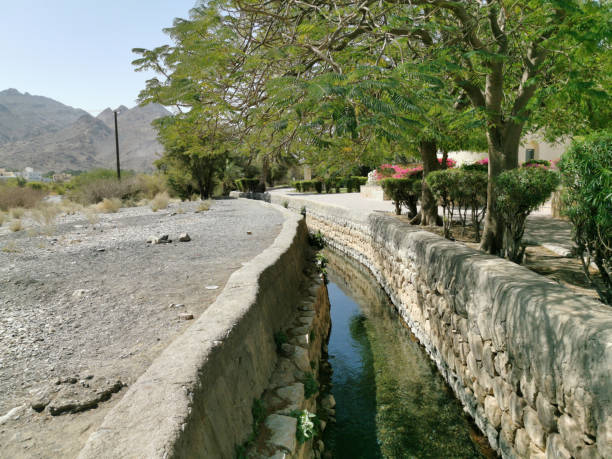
(85, 308)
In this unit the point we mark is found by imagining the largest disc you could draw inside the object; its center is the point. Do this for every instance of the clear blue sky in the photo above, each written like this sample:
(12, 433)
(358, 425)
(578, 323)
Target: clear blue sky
(79, 52)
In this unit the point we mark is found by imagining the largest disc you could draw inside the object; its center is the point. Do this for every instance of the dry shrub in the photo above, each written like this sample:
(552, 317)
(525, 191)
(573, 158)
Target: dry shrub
(160, 201)
(109, 206)
(204, 206)
(150, 186)
(92, 215)
(16, 226)
(46, 213)
(98, 190)
(71, 207)
(11, 247)
(17, 212)
(15, 196)
(130, 189)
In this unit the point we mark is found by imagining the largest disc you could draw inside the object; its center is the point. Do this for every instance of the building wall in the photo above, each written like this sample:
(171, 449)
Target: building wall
(542, 150)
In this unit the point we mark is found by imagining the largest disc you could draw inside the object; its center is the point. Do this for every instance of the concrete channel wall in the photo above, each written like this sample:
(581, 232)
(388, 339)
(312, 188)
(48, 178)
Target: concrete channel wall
(195, 400)
(530, 360)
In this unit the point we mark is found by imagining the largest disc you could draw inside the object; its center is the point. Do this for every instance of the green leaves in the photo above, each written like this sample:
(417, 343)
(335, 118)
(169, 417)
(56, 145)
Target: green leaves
(586, 171)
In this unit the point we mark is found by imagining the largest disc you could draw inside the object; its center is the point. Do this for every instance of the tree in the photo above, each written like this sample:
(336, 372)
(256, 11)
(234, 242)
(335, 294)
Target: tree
(504, 58)
(586, 171)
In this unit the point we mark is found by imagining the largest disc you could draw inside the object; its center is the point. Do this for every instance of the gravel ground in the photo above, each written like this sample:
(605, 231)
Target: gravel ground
(86, 308)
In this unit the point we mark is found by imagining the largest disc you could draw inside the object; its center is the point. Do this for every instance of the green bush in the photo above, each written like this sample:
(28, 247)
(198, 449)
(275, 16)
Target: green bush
(536, 162)
(477, 166)
(280, 338)
(474, 184)
(316, 240)
(332, 184)
(403, 192)
(38, 186)
(318, 186)
(586, 172)
(304, 186)
(519, 192)
(311, 385)
(354, 182)
(305, 425)
(443, 184)
(247, 185)
(463, 191)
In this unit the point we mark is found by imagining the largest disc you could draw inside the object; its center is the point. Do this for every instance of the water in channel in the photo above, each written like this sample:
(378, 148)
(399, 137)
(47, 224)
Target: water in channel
(391, 402)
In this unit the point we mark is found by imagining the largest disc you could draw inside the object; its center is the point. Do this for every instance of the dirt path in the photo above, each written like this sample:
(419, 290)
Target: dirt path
(86, 309)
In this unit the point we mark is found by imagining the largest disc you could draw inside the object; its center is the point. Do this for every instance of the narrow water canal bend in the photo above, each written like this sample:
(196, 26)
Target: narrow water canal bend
(391, 402)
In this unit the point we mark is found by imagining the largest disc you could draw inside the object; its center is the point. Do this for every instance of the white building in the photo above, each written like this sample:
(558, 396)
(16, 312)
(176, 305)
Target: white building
(30, 175)
(532, 147)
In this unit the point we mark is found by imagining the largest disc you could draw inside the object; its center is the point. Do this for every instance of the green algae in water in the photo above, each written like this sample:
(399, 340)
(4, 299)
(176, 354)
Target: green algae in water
(391, 401)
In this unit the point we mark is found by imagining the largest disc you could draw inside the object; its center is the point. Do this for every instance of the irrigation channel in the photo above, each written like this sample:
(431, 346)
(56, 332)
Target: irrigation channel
(391, 402)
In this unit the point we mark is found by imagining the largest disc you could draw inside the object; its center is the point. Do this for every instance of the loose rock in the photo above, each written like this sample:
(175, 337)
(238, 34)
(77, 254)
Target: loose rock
(184, 237)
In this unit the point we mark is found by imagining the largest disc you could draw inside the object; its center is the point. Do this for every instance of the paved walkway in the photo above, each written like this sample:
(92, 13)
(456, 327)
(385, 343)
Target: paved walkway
(542, 229)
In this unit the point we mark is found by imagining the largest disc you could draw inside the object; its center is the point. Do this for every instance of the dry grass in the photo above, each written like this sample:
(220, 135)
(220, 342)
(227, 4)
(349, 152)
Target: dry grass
(17, 212)
(10, 247)
(129, 189)
(109, 205)
(2, 217)
(14, 196)
(180, 210)
(160, 201)
(92, 215)
(45, 214)
(204, 206)
(16, 225)
(71, 207)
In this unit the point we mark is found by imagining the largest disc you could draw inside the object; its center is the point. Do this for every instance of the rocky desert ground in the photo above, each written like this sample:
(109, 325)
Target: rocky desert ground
(87, 304)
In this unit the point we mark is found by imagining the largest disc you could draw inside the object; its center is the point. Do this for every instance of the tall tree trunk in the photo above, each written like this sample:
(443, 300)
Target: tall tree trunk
(503, 155)
(265, 172)
(429, 205)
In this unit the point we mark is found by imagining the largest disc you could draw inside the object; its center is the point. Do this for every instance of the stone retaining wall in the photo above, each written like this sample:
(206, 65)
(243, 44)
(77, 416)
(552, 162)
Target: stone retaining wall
(287, 392)
(530, 361)
(195, 400)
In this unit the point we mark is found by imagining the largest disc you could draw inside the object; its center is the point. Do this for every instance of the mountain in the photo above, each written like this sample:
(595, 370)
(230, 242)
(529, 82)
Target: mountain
(24, 116)
(80, 146)
(60, 137)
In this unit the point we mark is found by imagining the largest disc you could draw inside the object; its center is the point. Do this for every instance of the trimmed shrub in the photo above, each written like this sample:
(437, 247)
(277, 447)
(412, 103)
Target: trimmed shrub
(460, 190)
(247, 185)
(318, 186)
(586, 171)
(354, 182)
(474, 184)
(443, 184)
(519, 192)
(332, 184)
(481, 166)
(536, 162)
(304, 186)
(403, 192)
